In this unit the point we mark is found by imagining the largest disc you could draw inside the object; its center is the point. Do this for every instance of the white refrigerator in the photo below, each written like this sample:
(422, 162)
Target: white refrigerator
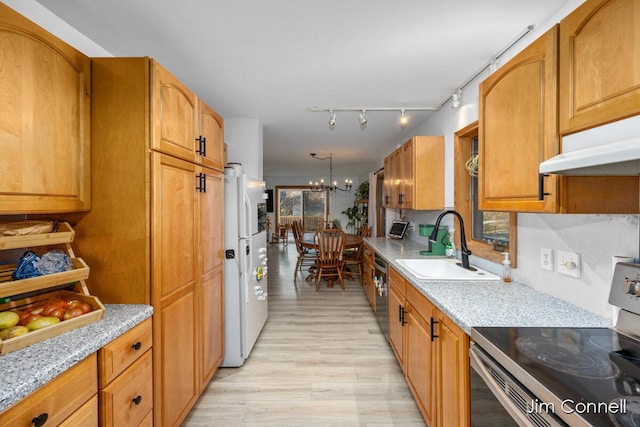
(245, 267)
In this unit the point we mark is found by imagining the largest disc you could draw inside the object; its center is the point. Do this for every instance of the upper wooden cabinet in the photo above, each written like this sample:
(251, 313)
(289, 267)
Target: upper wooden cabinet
(518, 130)
(45, 121)
(599, 64)
(414, 174)
(184, 126)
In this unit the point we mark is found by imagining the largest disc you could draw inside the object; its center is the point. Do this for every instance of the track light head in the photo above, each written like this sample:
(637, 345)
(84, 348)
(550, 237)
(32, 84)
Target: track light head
(404, 119)
(455, 98)
(332, 118)
(362, 119)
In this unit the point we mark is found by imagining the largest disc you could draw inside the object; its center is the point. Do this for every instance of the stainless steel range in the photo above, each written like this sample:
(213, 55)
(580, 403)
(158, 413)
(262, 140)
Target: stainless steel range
(567, 376)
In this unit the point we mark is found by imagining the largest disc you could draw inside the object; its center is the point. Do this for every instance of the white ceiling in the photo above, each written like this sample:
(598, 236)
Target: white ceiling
(272, 59)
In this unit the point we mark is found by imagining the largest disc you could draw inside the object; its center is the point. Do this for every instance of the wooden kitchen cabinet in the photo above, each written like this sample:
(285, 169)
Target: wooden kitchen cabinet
(518, 130)
(184, 126)
(154, 234)
(68, 399)
(45, 130)
(125, 378)
(416, 174)
(432, 351)
(599, 64)
(368, 283)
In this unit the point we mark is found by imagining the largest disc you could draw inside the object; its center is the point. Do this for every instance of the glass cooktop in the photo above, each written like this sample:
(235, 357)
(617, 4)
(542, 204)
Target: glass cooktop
(590, 372)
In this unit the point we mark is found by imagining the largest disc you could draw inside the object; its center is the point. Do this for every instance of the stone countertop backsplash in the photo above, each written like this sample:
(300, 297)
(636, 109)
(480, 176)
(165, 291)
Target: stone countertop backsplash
(486, 303)
(25, 370)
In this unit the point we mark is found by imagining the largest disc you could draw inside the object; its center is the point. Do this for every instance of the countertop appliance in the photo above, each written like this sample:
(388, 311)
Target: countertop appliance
(567, 376)
(382, 297)
(245, 265)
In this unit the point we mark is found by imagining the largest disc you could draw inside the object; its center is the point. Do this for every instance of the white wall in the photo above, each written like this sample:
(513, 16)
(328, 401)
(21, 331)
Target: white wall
(595, 237)
(244, 138)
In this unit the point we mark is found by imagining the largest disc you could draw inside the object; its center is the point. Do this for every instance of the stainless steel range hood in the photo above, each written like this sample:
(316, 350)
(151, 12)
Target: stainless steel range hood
(609, 150)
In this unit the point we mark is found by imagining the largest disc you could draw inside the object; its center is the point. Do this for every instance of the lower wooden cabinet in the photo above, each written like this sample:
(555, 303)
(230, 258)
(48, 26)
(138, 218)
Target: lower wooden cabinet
(60, 401)
(433, 353)
(126, 379)
(368, 283)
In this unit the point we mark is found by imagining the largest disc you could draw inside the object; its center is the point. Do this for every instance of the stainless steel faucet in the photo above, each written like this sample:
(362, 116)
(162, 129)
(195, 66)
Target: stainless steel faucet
(465, 252)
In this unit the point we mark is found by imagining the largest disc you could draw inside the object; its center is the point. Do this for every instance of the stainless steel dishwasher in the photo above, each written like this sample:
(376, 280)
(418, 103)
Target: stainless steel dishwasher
(382, 297)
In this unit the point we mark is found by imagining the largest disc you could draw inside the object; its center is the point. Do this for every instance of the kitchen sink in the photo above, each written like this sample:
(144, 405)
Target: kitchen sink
(443, 269)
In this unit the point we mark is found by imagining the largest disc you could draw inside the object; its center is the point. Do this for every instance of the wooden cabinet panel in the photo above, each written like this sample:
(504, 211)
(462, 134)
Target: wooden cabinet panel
(453, 374)
(116, 356)
(85, 416)
(212, 129)
(518, 129)
(176, 359)
(407, 183)
(599, 64)
(420, 362)
(175, 248)
(396, 327)
(45, 121)
(59, 398)
(129, 398)
(174, 115)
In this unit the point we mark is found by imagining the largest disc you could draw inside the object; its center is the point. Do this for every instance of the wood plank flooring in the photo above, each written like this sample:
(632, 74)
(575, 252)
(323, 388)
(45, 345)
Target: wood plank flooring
(321, 360)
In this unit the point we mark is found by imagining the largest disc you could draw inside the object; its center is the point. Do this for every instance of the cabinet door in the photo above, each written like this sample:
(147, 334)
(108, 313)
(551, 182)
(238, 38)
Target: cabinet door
(175, 360)
(428, 172)
(453, 374)
(407, 182)
(419, 363)
(45, 121)
(211, 145)
(388, 182)
(518, 130)
(211, 275)
(599, 64)
(175, 247)
(174, 112)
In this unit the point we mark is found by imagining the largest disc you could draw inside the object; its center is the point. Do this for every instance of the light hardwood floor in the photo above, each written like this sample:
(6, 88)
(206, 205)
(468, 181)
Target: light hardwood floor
(321, 360)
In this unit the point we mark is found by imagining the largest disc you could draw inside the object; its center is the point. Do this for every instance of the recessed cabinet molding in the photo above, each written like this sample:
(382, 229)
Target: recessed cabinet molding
(414, 175)
(45, 136)
(599, 38)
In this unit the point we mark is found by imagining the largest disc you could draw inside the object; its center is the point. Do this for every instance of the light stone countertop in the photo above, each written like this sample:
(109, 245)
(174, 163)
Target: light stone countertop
(25, 370)
(486, 303)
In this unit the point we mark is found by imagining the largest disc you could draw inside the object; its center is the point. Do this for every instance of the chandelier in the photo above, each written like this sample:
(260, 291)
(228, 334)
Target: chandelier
(333, 185)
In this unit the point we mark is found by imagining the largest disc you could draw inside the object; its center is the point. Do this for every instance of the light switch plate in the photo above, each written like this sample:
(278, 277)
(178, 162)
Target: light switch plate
(546, 259)
(568, 263)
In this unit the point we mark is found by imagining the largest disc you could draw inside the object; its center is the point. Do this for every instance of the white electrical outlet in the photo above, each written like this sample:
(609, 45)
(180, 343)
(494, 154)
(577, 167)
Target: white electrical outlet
(546, 259)
(568, 263)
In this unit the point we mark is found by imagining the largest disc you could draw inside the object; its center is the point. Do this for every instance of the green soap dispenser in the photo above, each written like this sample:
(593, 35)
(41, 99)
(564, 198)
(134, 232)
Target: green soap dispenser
(506, 268)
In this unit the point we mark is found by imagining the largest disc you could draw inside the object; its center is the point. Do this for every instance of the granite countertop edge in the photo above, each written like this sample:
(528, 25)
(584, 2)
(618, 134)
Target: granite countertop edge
(24, 371)
(486, 303)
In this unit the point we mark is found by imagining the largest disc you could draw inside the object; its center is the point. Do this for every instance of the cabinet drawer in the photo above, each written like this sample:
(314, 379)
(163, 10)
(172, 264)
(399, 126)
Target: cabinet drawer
(116, 356)
(129, 398)
(86, 416)
(397, 280)
(58, 399)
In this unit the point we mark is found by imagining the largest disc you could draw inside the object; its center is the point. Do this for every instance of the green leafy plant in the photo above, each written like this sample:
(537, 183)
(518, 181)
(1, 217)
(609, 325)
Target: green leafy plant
(362, 192)
(352, 214)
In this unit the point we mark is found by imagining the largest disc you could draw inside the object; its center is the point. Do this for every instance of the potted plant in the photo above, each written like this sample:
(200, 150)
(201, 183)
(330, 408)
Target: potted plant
(352, 214)
(362, 192)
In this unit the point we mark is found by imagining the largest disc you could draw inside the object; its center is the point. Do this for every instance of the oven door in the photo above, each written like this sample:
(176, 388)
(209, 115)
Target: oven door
(498, 399)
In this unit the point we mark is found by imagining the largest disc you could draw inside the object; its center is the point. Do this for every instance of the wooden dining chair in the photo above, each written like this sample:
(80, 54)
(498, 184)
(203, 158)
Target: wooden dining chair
(306, 257)
(355, 260)
(329, 261)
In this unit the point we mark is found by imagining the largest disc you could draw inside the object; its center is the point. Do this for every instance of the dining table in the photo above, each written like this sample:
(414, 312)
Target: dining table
(351, 241)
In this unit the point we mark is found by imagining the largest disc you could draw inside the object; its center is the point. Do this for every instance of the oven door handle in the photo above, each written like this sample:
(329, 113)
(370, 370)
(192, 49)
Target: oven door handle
(476, 359)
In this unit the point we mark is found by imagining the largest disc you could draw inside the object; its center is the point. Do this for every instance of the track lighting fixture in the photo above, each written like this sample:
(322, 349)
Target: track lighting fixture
(455, 98)
(332, 118)
(363, 118)
(404, 119)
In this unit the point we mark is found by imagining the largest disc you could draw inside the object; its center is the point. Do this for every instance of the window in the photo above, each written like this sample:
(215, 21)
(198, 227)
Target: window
(491, 233)
(301, 204)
